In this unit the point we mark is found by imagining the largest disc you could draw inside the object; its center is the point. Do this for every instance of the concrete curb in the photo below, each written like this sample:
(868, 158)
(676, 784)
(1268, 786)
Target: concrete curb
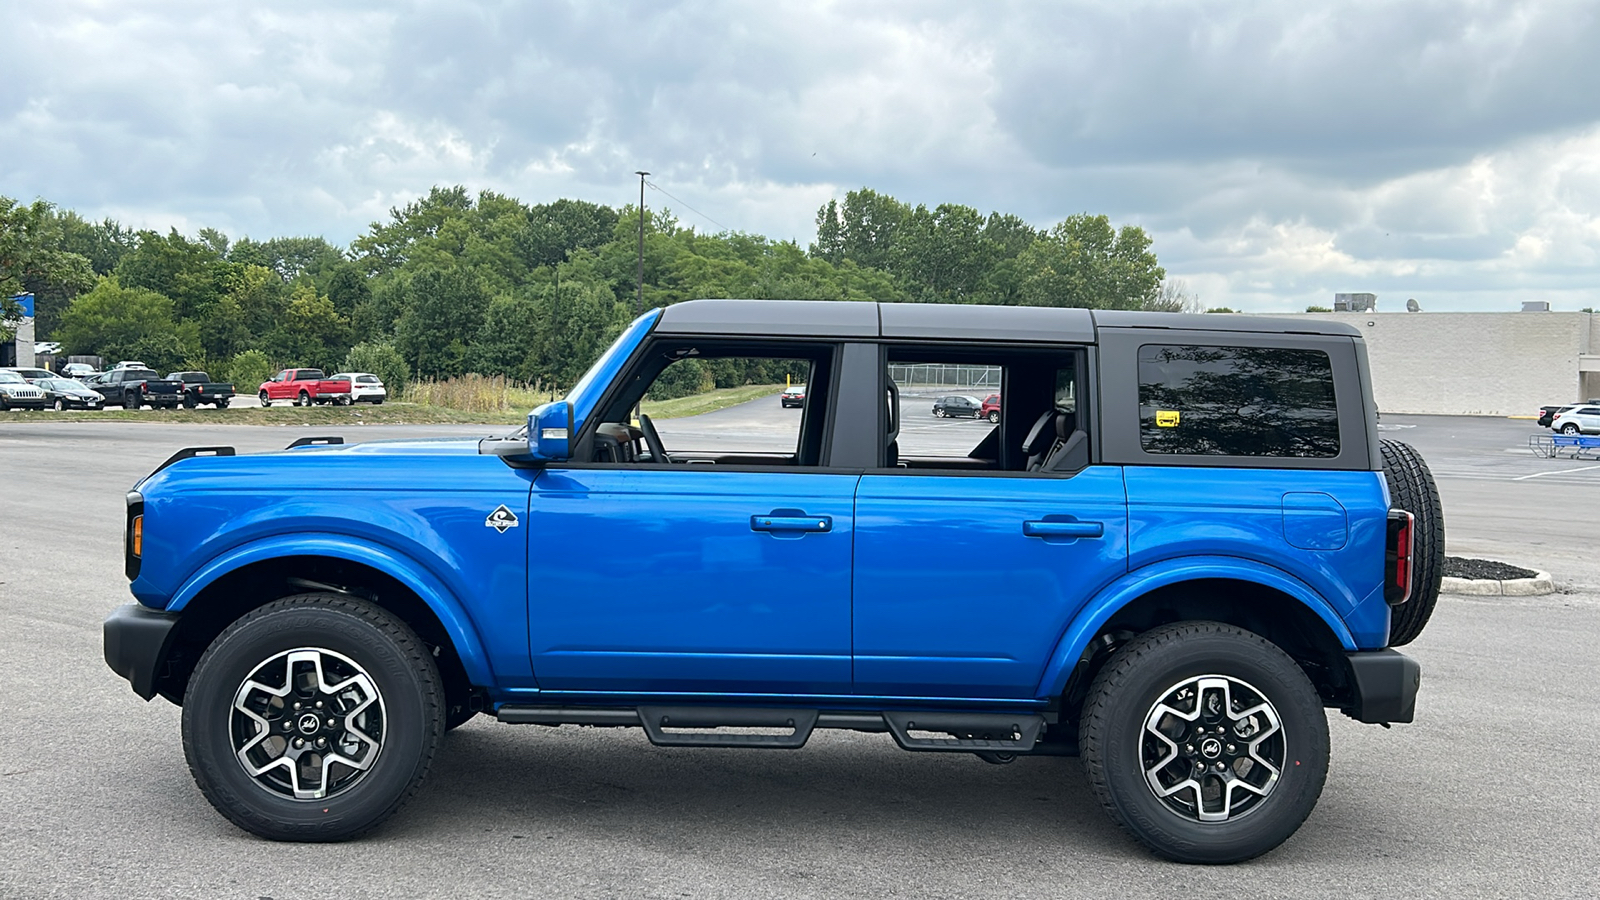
(1491, 587)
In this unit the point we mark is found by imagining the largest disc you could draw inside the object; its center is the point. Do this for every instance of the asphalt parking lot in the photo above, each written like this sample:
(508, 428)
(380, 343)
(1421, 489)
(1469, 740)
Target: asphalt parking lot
(1491, 793)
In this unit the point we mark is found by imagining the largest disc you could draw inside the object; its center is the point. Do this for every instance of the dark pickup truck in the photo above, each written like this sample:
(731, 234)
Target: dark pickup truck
(198, 388)
(133, 388)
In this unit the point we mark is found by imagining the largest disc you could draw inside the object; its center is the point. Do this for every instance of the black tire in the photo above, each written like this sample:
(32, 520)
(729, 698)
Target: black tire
(303, 400)
(132, 400)
(1570, 428)
(190, 403)
(344, 633)
(222, 404)
(60, 405)
(265, 400)
(378, 402)
(994, 416)
(1411, 488)
(1150, 669)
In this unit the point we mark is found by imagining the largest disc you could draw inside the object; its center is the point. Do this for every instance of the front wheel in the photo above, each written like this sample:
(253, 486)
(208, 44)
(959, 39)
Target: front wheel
(61, 405)
(313, 718)
(266, 401)
(1205, 741)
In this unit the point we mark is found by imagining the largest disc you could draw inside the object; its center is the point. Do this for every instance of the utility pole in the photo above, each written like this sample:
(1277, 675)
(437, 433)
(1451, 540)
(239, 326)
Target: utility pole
(638, 308)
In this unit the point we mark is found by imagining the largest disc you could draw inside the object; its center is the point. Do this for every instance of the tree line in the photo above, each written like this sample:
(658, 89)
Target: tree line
(457, 282)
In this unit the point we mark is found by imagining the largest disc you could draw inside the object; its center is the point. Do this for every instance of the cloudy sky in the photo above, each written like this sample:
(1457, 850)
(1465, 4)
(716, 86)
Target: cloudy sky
(1276, 151)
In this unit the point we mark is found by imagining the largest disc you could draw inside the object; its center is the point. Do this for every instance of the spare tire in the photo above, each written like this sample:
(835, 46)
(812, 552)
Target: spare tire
(1411, 488)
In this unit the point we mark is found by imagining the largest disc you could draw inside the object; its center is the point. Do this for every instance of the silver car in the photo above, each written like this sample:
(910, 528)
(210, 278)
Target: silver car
(1577, 420)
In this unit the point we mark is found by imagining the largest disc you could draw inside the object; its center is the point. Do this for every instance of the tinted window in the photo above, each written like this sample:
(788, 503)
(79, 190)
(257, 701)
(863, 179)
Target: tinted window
(1237, 401)
(309, 375)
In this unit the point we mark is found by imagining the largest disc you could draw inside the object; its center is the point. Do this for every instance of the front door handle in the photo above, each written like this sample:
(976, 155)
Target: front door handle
(1046, 529)
(795, 521)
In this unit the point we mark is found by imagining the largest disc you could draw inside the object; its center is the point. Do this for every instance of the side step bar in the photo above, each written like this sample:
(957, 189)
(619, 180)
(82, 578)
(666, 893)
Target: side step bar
(674, 726)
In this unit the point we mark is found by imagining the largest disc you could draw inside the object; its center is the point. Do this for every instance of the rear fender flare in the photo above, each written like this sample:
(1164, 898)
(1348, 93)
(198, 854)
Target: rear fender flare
(1136, 584)
(444, 604)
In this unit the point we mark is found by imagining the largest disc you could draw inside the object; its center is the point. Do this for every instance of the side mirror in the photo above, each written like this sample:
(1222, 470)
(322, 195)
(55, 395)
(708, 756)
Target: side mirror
(549, 437)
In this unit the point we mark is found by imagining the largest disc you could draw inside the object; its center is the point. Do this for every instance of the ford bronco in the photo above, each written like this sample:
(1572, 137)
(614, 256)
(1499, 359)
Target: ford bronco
(1193, 543)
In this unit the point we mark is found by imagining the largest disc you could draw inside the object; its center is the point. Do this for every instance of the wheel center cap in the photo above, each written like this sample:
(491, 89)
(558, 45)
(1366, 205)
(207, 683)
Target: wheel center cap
(309, 723)
(1211, 748)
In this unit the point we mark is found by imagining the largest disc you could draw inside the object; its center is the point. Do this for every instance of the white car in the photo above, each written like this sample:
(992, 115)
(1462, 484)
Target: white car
(17, 393)
(364, 387)
(1577, 420)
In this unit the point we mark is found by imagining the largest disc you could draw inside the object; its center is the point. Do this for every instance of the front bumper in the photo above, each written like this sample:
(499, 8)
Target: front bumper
(136, 642)
(1383, 686)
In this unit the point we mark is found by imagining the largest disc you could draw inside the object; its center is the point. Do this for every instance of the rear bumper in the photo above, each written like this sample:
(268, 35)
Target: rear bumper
(1383, 686)
(136, 642)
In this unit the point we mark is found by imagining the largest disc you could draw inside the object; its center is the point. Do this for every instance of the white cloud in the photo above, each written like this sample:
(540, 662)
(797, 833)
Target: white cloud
(1278, 152)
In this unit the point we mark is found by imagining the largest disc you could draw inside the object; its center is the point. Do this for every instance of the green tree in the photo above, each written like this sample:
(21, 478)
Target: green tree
(193, 274)
(33, 260)
(382, 360)
(508, 342)
(443, 311)
(862, 229)
(249, 369)
(113, 320)
(1083, 262)
(311, 333)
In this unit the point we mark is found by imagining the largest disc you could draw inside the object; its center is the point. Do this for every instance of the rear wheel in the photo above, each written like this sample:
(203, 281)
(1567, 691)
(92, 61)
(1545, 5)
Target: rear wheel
(313, 718)
(190, 403)
(222, 404)
(304, 399)
(1205, 741)
(1570, 428)
(994, 416)
(1411, 488)
(132, 400)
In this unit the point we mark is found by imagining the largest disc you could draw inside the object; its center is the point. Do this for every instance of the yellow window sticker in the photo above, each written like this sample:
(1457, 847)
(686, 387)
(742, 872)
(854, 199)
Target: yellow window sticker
(1166, 418)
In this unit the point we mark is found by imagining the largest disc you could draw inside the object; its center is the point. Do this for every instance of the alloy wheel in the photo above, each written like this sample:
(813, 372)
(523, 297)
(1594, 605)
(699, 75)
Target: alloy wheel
(1213, 748)
(307, 724)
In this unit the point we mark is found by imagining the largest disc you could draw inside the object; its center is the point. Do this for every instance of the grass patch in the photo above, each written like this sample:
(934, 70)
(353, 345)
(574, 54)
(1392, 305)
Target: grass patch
(710, 401)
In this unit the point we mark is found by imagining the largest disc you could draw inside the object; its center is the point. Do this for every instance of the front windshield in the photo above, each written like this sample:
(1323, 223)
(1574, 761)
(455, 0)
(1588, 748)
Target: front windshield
(11, 378)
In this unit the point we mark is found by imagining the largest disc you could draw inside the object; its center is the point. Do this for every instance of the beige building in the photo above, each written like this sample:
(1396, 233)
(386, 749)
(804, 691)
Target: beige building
(1481, 364)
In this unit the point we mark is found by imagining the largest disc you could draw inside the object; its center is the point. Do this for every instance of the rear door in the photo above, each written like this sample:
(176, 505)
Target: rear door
(969, 565)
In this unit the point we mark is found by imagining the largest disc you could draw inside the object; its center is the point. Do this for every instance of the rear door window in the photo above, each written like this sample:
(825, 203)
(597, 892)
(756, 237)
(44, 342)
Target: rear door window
(1237, 401)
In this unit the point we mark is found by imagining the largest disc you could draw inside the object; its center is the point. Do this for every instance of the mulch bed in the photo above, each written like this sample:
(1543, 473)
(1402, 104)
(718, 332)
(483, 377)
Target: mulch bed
(1461, 567)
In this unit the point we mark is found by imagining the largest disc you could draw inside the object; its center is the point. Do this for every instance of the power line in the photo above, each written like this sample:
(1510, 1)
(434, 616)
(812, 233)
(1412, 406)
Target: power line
(657, 187)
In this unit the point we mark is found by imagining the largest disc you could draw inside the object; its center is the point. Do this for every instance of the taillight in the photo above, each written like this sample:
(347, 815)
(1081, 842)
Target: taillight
(1398, 557)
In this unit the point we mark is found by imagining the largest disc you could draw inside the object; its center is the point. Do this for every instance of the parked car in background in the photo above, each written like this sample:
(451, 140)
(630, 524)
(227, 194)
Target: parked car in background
(198, 388)
(130, 364)
(31, 374)
(303, 387)
(365, 387)
(1546, 413)
(78, 370)
(17, 393)
(132, 388)
(991, 408)
(793, 396)
(68, 393)
(1581, 419)
(956, 406)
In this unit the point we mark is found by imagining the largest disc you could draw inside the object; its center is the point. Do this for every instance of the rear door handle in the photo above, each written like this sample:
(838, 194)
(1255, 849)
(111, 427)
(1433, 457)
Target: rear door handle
(1044, 529)
(791, 523)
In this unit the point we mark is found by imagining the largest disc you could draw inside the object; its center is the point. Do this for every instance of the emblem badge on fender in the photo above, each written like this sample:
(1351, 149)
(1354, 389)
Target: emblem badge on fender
(501, 519)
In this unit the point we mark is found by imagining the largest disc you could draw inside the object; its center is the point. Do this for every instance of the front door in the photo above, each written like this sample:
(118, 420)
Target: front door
(686, 578)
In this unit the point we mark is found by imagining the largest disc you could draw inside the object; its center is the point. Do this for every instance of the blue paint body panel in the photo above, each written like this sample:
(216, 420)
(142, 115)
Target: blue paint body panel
(954, 598)
(414, 510)
(655, 579)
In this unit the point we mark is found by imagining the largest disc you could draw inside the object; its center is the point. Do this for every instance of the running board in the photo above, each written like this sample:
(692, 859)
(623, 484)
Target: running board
(677, 726)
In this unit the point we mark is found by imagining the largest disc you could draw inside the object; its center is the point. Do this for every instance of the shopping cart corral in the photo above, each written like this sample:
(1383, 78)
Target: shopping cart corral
(1573, 446)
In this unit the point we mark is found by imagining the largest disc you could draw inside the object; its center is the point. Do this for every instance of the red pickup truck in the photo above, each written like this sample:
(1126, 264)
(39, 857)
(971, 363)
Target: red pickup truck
(305, 387)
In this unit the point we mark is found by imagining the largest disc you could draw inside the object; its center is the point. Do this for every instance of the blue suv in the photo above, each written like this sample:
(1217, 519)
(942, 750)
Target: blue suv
(1191, 540)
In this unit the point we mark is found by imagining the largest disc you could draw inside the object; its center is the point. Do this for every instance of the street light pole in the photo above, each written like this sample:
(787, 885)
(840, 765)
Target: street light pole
(639, 303)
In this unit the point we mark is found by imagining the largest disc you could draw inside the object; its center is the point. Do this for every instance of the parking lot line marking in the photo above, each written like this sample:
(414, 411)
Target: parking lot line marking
(1555, 472)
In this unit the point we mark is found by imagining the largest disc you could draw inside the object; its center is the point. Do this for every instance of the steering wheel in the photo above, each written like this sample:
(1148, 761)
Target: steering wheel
(658, 453)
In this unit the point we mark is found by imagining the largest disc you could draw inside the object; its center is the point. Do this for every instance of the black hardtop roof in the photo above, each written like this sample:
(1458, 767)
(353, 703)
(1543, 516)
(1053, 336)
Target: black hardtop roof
(939, 321)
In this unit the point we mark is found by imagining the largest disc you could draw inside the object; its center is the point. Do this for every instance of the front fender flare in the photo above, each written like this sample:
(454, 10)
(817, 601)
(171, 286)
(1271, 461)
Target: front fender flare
(445, 605)
(1136, 584)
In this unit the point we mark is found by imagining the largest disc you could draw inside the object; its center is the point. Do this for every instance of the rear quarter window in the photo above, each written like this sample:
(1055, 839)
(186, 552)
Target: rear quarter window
(1237, 401)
